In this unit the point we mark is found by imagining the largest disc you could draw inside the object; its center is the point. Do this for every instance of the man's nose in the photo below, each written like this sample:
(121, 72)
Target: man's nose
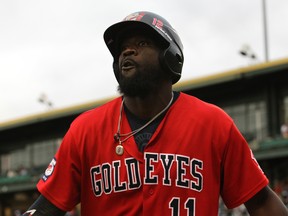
(129, 50)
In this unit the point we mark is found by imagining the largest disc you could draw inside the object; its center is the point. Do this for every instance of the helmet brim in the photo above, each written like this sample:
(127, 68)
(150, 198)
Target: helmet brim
(114, 34)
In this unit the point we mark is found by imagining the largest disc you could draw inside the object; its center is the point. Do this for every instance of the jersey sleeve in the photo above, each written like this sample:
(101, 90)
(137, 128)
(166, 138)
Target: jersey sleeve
(60, 183)
(241, 174)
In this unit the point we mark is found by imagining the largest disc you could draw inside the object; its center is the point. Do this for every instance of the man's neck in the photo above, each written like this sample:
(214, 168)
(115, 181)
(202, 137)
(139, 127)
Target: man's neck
(149, 106)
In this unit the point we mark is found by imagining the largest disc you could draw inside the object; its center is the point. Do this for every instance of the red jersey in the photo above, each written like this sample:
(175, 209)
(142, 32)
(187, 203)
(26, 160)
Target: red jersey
(195, 154)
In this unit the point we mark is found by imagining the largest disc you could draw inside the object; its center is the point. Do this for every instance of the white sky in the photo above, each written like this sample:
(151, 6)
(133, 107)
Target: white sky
(56, 47)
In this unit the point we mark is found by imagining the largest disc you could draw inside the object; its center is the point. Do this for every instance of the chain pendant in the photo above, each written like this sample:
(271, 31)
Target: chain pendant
(119, 149)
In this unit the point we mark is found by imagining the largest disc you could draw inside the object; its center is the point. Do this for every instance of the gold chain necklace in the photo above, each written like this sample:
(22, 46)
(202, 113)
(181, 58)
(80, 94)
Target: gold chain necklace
(117, 136)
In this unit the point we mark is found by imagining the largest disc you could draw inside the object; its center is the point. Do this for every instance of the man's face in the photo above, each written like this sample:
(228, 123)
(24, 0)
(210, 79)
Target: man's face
(139, 70)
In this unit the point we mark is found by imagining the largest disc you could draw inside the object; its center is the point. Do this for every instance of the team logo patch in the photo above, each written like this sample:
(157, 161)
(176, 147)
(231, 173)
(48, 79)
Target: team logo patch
(256, 162)
(49, 171)
(135, 16)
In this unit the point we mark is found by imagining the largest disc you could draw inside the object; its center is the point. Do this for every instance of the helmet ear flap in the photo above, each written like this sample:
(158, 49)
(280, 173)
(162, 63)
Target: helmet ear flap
(171, 59)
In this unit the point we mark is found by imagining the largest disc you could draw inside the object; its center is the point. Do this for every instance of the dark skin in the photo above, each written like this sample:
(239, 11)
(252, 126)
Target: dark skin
(266, 203)
(142, 51)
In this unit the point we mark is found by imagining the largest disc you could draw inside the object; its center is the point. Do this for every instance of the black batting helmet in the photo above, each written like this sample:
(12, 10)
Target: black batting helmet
(171, 59)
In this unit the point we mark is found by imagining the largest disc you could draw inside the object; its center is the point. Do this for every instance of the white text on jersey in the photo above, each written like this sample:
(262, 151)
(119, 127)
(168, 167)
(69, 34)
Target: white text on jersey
(159, 168)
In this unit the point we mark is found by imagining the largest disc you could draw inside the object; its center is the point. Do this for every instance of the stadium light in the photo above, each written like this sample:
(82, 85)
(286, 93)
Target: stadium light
(246, 51)
(44, 100)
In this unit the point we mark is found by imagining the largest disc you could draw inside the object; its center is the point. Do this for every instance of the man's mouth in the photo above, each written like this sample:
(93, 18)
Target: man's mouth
(127, 65)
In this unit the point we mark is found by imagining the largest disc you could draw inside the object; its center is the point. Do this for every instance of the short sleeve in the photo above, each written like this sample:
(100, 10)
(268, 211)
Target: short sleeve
(242, 176)
(60, 183)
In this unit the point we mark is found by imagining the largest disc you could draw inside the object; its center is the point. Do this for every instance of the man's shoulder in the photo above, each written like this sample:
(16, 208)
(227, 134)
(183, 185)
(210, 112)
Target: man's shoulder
(199, 106)
(196, 102)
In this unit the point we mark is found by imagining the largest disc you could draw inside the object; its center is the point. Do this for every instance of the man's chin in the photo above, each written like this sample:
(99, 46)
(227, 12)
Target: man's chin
(128, 73)
(133, 92)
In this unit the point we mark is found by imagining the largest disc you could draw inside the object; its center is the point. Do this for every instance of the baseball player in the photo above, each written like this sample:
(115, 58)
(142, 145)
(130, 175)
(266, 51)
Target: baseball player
(152, 151)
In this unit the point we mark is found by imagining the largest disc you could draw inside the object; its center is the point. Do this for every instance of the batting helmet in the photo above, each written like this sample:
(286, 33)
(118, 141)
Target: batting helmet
(171, 59)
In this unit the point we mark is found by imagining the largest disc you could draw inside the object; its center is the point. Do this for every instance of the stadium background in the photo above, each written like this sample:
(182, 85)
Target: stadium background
(256, 97)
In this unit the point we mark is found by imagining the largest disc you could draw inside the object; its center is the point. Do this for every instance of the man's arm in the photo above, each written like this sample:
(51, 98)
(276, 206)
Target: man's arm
(42, 207)
(266, 203)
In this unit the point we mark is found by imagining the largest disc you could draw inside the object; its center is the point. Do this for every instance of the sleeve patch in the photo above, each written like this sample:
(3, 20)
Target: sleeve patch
(50, 169)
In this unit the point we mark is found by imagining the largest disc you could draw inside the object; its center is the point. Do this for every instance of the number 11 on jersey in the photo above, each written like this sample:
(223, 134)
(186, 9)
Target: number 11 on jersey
(189, 205)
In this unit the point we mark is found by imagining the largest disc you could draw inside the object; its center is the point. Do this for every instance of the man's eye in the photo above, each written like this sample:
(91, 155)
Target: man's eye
(143, 43)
